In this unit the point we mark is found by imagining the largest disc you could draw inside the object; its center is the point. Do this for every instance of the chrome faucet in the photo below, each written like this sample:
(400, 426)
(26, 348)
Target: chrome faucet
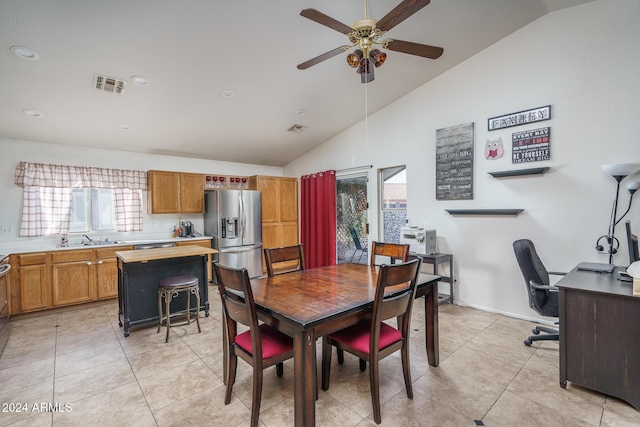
(88, 238)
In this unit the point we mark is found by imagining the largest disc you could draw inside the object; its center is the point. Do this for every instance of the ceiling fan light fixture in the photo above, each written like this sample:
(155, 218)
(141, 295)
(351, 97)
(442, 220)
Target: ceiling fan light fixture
(378, 57)
(353, 59)
(366, 70)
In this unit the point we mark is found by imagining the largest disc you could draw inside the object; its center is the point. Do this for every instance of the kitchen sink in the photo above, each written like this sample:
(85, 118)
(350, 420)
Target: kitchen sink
(92, 243)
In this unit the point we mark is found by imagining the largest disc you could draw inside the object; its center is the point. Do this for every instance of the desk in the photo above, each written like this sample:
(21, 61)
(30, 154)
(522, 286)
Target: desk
(139, 272)
(600, 334)
(311, 303)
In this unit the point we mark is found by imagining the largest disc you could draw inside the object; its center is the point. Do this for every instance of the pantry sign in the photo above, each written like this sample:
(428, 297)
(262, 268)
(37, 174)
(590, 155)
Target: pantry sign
(531, 145)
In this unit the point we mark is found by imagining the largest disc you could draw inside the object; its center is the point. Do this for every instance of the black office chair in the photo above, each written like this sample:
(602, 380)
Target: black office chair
(542, 297)
(359, 247)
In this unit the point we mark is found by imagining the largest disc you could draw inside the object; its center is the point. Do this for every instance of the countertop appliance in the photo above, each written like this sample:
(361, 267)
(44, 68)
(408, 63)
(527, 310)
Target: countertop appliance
(233, 218)
(4, 301)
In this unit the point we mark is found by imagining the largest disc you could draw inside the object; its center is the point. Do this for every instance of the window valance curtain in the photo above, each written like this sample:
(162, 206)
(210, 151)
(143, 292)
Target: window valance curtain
(62, 176)
(47, 196)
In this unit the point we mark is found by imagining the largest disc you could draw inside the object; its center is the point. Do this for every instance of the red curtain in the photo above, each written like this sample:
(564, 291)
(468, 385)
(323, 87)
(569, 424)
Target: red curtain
(318, 218)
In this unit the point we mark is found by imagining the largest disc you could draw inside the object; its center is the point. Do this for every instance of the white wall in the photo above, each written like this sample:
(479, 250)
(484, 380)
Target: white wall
(154, 226)
(583, 61)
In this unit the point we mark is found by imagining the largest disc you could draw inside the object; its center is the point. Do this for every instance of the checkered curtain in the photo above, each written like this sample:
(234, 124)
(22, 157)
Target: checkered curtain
(46, 208)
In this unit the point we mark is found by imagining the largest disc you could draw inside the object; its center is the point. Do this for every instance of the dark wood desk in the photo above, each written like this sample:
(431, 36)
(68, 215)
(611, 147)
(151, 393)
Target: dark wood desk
(311, 303)
(600, 334)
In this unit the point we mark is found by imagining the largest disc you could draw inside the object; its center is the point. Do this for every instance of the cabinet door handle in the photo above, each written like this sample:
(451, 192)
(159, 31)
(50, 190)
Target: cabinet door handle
(89, 263)
(100, 262)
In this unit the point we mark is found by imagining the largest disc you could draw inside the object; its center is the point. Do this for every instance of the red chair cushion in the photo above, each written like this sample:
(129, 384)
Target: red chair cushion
(357, 336)
(273, 342)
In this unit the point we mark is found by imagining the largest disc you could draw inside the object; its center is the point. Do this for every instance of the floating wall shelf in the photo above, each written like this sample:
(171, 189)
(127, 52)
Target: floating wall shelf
(508, 212)
(519, 172)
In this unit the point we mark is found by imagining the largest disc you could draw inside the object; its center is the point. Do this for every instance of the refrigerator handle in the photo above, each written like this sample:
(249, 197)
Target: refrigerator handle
(242, 213)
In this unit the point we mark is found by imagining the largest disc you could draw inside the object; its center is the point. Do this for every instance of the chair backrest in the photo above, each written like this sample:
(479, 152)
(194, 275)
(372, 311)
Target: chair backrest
(396, 303)
(392, 250)
(284, 255)
(632, 242)
(533, 270)
(237, 303)
(356, 239)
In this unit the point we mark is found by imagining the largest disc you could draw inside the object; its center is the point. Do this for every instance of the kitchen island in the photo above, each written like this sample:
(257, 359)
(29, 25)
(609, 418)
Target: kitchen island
(139, 272)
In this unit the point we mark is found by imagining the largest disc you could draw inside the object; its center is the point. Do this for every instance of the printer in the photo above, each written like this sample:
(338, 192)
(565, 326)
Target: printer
(420, 241)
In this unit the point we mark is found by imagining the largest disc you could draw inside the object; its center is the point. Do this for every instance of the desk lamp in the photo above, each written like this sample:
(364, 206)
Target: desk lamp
(619, 172)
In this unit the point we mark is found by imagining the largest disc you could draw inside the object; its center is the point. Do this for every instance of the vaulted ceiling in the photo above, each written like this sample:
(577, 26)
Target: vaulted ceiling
(195, 53)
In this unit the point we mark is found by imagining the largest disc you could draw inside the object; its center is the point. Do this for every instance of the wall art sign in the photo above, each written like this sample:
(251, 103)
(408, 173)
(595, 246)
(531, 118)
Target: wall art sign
(520, 118)
(531, 145)
(454, 162)
(493, 150)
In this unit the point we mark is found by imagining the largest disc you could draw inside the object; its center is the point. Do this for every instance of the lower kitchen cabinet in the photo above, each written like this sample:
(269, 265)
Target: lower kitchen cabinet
(30, 283)
(73, 277)
(60, 278)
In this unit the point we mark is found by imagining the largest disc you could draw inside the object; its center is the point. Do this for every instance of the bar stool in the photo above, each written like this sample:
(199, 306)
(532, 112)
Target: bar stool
(168, 289)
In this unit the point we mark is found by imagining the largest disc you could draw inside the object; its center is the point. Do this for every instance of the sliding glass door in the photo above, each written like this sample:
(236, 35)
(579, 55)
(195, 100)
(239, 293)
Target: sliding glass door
(352, 222)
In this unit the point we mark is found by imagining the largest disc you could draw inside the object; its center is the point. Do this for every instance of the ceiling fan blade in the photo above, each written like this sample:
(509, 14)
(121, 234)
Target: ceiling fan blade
(424, 50)
(325, 20)
(323, 57)
(399, 13)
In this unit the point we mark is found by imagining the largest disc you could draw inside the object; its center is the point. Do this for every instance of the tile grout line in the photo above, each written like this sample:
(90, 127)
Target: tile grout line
(116, 331)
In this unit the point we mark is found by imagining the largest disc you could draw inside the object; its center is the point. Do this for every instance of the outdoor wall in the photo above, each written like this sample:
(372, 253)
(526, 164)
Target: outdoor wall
(584, 62)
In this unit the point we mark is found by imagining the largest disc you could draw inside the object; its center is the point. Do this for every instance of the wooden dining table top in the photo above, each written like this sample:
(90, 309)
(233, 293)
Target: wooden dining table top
(313, 296)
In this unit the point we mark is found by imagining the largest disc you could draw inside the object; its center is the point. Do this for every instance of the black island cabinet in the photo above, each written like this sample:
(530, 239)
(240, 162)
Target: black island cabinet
(139, 272)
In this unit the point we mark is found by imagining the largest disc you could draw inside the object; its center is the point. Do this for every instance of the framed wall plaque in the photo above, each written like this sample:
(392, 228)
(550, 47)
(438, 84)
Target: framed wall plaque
(520, 118)
(454, 162)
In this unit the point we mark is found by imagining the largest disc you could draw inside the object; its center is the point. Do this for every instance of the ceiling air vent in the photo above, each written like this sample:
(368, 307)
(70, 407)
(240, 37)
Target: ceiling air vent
(296, 128)
(108, 84)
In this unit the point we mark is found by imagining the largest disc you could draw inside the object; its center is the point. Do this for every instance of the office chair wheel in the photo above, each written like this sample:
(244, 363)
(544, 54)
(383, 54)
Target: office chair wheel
(535, 331)
(528, 342)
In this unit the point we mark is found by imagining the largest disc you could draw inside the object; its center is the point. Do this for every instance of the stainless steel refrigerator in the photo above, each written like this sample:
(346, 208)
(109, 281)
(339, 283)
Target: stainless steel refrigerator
(233, 218)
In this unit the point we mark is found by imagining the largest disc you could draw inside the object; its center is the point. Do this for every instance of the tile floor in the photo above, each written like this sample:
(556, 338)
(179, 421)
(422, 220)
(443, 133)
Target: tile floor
(80, 360)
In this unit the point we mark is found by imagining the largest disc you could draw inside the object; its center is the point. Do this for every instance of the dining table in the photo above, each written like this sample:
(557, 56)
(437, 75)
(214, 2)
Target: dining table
(311, 303)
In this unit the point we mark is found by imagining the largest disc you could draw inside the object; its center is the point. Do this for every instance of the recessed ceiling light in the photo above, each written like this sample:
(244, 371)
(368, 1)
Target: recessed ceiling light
(139, 80)
(227, 93)
(33, 113)
(24, 53)
(123, 126)
(301, 112)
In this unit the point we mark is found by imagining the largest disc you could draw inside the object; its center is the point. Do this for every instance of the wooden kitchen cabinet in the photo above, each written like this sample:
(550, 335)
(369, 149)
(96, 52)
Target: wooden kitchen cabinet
(175, 192)
(279, 210)
(30, 283)
(44, 280)
(73, 277)
(107, 271)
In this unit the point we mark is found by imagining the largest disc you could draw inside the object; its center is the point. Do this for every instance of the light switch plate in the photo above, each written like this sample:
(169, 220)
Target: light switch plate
(7, 229)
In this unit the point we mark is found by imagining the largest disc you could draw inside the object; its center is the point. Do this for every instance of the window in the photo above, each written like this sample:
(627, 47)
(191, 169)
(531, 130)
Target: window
(393, 202)
(59, 199)
(92, 209)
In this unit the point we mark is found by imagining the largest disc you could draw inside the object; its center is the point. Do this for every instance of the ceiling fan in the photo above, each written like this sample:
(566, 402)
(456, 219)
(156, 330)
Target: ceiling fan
(366, 34)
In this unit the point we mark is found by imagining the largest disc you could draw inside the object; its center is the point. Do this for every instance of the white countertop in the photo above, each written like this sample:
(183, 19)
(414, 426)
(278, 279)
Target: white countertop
(10, 248)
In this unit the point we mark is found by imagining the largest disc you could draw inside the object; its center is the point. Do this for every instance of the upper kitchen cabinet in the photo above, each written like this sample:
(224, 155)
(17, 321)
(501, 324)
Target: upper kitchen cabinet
(279, 197)
(175, 192)
(279, 209)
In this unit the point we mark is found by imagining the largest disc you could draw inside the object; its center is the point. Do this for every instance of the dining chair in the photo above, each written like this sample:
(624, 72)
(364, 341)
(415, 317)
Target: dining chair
(394, 251)
(284, 255)
(372, 339)
(261, 346)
